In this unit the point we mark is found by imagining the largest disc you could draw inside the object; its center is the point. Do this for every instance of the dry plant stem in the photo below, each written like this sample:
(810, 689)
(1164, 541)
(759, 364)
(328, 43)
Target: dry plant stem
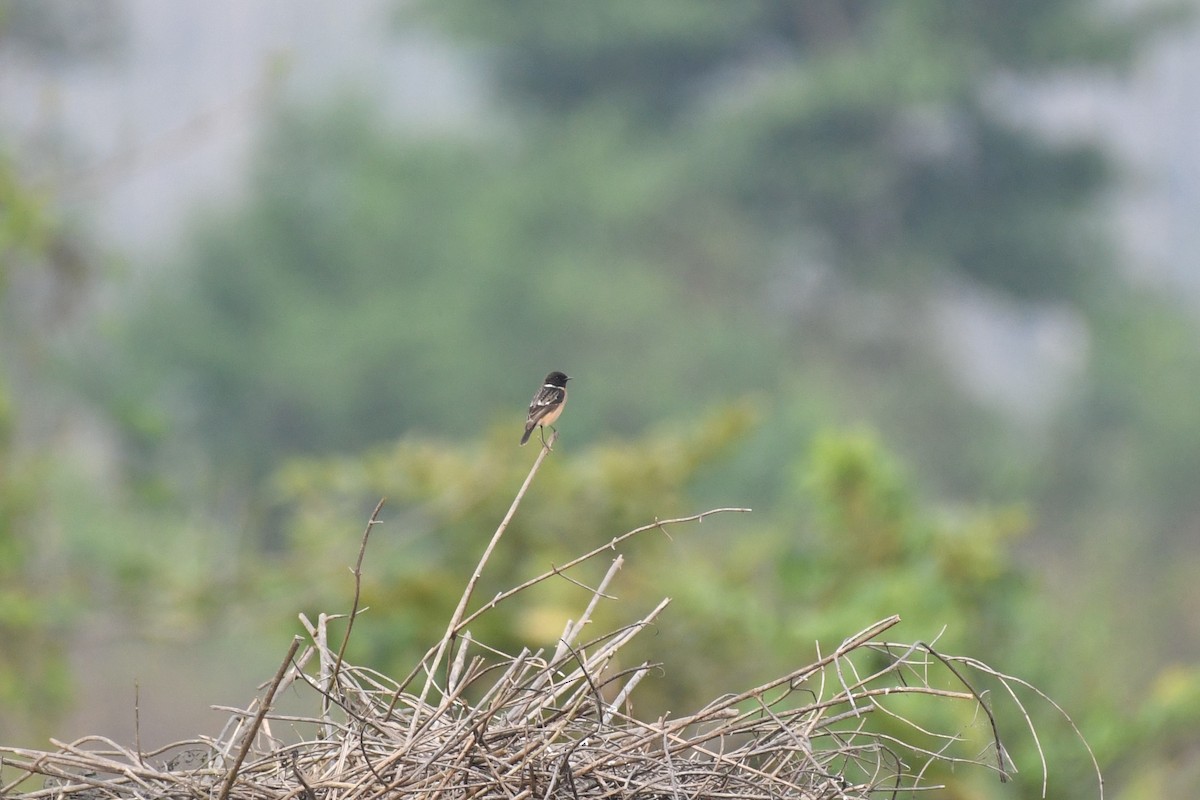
(1007, 682)
(590, 555)
(566, 740)
(248, 741)
(452, 629)
(540, 700)
(325, 669)
(551, 724)
(456, 668)
(362, 549)
(573, 631)
(1000, 759)
(137, 722)
(852, 643)
(553, 572)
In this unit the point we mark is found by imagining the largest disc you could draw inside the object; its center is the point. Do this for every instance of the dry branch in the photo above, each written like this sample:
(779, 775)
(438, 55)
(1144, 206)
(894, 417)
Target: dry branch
(556, 725)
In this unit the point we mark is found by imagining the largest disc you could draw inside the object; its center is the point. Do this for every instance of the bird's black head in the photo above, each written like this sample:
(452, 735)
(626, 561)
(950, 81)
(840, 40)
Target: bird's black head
(557, 379)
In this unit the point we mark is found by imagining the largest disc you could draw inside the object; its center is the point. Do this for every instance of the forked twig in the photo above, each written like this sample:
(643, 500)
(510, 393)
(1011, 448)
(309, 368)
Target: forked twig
(362, 549)
(610, 545)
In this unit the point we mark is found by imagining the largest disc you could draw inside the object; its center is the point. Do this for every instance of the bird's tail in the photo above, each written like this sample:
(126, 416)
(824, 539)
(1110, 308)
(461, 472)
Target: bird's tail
(528, 431)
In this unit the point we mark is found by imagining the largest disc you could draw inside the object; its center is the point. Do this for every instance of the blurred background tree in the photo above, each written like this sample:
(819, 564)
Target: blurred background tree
(776, 197)
(789, 205)
(780, 198)
(44, 271)
(32, 666)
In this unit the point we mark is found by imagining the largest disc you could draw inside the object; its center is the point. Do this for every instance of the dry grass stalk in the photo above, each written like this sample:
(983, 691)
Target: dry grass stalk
(470, 722)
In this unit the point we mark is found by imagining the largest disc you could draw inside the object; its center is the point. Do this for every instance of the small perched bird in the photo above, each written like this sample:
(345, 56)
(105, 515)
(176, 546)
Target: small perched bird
(547, 404)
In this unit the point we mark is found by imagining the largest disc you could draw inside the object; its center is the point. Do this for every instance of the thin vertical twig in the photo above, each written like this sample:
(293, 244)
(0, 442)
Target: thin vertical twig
(137, 722)
(452, 628)
(362, 549)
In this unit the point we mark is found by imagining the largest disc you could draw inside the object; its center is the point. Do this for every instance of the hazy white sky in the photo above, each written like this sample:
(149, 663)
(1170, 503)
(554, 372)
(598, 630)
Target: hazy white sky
(169, 119)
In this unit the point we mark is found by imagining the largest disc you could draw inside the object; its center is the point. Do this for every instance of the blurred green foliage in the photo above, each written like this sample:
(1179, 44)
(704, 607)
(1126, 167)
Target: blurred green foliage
(33, 670)
(664, 197)
(427, 286)
(23, 225)
(40, 257)
(33, 678)
(679, 204)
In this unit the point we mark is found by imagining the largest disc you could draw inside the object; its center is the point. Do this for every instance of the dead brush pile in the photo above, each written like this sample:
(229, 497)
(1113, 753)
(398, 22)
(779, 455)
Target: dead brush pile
(472, 722)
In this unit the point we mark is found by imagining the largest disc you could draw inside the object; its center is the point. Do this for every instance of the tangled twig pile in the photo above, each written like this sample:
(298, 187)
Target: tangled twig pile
(471, 722)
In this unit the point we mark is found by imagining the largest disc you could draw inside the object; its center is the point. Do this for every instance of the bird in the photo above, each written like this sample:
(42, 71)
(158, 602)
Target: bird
(547, 405)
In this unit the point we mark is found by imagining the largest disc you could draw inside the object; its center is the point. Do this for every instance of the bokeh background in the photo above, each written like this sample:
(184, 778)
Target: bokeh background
(916, 281)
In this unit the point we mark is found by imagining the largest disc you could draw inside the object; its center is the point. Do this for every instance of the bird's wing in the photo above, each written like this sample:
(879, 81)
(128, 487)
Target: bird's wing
(544, 401)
